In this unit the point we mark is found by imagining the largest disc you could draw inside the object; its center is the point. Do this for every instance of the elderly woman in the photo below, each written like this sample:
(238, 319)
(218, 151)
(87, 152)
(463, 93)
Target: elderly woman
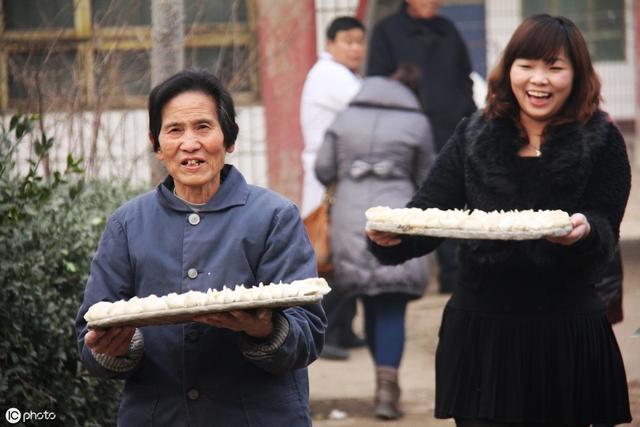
(203, 227)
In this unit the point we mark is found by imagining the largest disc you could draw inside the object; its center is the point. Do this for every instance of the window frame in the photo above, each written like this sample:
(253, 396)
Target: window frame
(88, 41)
(591, 34)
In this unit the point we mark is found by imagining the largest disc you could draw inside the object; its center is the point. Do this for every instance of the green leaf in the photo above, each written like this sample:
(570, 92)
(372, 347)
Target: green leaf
(70, 267)
(14, 121)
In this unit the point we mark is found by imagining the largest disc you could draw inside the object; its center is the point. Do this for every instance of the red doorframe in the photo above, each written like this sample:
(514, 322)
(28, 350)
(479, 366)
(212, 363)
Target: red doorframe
(636, 143)
(287, 50)
(361, 12)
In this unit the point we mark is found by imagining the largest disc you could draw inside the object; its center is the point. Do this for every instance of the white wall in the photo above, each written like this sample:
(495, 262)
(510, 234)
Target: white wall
(123, 144)
(327, 11)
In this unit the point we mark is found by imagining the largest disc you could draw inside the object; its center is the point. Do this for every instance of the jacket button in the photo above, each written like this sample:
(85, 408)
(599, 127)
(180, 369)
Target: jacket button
(194, 219)
(193, 394)
(192, 273)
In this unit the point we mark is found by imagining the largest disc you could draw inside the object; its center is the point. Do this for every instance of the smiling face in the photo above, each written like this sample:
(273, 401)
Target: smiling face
(192, 145)
(541, 88)
(348, 48)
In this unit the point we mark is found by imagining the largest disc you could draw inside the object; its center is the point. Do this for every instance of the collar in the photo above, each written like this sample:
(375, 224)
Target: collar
(326, 56)
(233, 191)
(564, 166)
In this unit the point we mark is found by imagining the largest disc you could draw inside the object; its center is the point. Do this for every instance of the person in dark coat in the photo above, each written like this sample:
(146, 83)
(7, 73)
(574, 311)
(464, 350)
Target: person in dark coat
(417, 34)
(203, 227)
(377, 152)
(525, 338)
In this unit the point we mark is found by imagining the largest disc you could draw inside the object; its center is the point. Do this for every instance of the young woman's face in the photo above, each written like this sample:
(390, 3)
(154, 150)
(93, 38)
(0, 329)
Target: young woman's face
(541, 88)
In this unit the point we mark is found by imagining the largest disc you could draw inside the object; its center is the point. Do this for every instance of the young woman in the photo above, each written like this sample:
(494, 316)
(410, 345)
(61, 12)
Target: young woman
(524, 338)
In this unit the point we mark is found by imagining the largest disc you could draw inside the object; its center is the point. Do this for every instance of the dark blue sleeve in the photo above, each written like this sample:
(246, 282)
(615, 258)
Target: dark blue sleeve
(110, 279)
(288, 256)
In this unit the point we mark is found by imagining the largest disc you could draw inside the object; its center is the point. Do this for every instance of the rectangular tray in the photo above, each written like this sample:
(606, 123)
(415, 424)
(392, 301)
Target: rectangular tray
(468, 234)
(184, 315)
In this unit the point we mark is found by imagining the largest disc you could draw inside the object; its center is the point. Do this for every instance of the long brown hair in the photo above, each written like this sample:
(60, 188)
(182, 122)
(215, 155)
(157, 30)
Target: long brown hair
(543, 37)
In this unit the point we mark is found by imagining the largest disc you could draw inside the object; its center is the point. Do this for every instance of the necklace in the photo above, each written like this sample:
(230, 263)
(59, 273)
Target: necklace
(536, 149)
(538, 152)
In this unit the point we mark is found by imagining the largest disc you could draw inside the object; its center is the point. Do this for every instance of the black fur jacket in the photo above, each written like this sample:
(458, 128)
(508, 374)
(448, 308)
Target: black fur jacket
(582, 168)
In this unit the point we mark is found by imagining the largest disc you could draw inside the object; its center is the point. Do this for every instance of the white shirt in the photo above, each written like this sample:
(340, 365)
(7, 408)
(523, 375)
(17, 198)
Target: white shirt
(327, 90)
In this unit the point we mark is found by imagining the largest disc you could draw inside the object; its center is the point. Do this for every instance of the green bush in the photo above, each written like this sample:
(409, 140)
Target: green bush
(49, 229)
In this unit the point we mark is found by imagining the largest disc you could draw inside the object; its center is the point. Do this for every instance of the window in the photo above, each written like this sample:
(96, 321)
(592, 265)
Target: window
(41, 74)
(601, 23)
(98, 51)
(116, 13)
(34, 14)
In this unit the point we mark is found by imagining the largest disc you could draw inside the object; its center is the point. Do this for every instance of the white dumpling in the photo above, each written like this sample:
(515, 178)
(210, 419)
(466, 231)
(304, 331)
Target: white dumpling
(118, 308)
(153, 303)
(175, 300)
(133, 306)
(194, 299)
(213, 297)
(98, 311)
(289, 291)
(226, 295)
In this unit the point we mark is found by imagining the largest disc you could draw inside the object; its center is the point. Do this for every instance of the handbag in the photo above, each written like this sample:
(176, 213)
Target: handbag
(317, 225)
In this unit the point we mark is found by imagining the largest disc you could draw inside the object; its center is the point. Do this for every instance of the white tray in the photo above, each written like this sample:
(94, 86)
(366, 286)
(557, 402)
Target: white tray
(183, 315)
(468, 234)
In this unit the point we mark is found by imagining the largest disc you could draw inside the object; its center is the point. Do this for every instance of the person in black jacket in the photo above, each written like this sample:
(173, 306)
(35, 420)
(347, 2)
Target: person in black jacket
(416, 34)
(525, 338)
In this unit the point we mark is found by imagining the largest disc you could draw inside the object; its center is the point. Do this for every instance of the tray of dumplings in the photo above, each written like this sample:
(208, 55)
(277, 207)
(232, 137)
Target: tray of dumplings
(465, 224)
(181, 308)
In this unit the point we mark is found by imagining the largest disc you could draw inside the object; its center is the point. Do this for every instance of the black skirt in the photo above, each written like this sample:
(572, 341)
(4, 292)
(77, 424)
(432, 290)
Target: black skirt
(542, 368)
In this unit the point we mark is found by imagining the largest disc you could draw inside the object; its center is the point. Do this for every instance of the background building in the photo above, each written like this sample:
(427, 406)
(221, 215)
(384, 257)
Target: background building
(84, 64)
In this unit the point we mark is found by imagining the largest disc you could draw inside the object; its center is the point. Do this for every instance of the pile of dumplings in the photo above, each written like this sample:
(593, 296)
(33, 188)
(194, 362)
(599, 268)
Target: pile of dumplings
(476, 220)
(152, 303)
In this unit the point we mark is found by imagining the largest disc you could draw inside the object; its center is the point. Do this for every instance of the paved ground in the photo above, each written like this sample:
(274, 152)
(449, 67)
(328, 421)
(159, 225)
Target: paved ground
(348, 386)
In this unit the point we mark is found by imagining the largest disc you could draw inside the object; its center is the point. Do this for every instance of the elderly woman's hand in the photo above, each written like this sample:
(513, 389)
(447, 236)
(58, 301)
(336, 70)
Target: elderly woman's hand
(384, 238)
(258, 325)
(581, 229)
(111, 342)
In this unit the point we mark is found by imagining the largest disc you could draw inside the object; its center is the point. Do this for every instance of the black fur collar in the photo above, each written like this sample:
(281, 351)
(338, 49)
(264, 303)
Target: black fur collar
(494, 169)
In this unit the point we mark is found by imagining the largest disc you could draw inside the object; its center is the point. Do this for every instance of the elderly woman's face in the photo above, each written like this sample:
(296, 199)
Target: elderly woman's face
(192, 145)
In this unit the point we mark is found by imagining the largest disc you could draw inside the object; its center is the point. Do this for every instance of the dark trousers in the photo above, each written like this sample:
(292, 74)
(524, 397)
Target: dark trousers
(384, 327)
(340, 308)
(448, 268)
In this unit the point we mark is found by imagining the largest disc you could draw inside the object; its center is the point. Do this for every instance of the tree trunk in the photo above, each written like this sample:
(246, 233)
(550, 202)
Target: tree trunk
(167, 55)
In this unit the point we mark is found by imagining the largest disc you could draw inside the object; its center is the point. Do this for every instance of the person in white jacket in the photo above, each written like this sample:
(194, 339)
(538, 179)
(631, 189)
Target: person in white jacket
(330, 84)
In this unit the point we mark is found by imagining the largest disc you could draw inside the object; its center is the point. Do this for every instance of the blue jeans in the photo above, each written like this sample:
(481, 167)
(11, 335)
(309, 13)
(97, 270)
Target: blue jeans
(384, 327)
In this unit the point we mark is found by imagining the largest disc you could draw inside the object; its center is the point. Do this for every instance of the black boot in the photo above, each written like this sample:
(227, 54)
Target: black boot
(387, 400)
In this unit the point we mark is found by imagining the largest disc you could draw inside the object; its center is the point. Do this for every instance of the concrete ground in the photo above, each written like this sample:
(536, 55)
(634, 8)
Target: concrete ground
(344, 390)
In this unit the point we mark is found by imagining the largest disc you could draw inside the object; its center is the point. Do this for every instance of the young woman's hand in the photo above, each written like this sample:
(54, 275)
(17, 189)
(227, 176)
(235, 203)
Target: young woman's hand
(384, 238)
(581, 229)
